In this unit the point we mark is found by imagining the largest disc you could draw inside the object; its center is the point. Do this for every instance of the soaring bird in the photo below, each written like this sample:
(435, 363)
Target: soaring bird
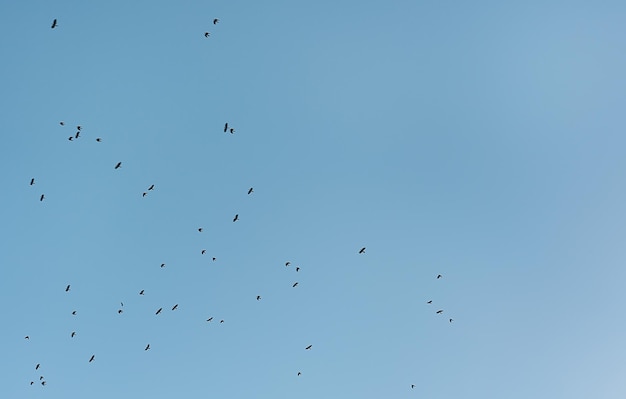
(27, 337)
(287, 263)
(141, 292)
(32, 181)
(209, 319)
(37, 366)
(71, 138)
(439, 276)
(232, 131)
(221, 321)
(43, 383)
(73, 334)
(120, 311)
(251, 190)
(42, 197)
(258, 297)
(32, 382)
(207, 34)
(215, 21)
(294, 284)
(62, 123)
(40, 377)
(214, 259)
(78, 127)
(451, 320)
(225, 127)
(159, 311)
(412, 386)
(73, 312)
(98, 139)
(175, 307)
(119, 165)
(54, 24)
(362, 250)
(297, 269)
(147, 347)
(429, 302)
(67, 288)
(162, 265)
(203, 251)
(308, 347)
(77, 134)
(200, 230)
(151, 187)
(440, 311)
(236, 218)
(144, 194)
(299, 373)
(92, 357)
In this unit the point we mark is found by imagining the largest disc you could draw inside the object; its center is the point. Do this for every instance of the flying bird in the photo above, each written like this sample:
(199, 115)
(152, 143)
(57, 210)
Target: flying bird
(412, 386)
(209, 319)
(215, 21)
(147, 347)
(308, 347)
(439, 276)
(225, 127)
(67, 288)
(207, 34)
(258, 297)
(92, 357)
(299, 373)
(144, 194)
(251, 190)
(32, 382)
(71, 138)
(40, 377)
(221, 321)
(78, 127)
(73, 333)
(120, 311)
(297, 269)
(27, 337)
(43, 383)
(175, 307)
(236, 218)
(151, 187)
(41, 198)
(429, 302)
(362, 250)
(119, 165)
(287, 263)
(214, 259)
(159, 311)
(203, 251)
(77, 135)
(32, 181)
(294, 284)
(37, 366)
(98, 139)
(451, 320)
(74, 312)
(200, 230)
(440, 311)
(232, 131)
(62, 123)
(54, 24)
(141, 292)
(162, 265)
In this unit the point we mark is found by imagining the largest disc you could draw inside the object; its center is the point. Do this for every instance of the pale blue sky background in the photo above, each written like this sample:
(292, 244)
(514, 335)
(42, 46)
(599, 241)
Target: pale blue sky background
(480, 140)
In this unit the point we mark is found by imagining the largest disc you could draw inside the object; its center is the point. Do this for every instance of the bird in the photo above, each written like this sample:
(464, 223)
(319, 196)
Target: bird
(141, 292)
(429, 302)
(41, 198)
(297, 269)
(32, 181)
(232, 131)
(299, 373)
(32, 382)
(144, 194)
(77, 135)
(92, 357)
(236, 218)
(73, 333)
(294, 284)
(221, 321)
(40, 377)
(43, 383)
(203, 251)
(215, 21)
(37, 366)
(225, 127)
(362, 250)
(287, 263)
(147, 347)
(258, 297)
(151, 187)
(119, 165)
(412, 386)
(209, 319)
(27, 337)
(122, 303)
(308, 347)
(71, 138)
(175, 307)
(159, 311)
(451, 320)
(62, 123)
(98, 139)
(214, 259)
(67, 288)
(120, 311)
(440, 311)
(74, 312)
(207, 34)
(439, 276)
(251, 190)
(199, 229)
(54, 24)
(78, 127)
(162, 265)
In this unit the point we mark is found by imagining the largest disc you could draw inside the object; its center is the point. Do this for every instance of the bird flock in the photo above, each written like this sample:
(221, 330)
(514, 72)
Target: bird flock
(117, 165)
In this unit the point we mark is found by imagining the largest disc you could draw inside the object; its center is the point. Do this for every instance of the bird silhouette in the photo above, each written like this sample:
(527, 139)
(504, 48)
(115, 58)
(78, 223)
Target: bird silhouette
(215, 21)
(92, 357)
(258, 297)
(43, 383)
(232, 131)
(207, 34)
(147, 347)
(162, 265)
(236, 218)
(251, 190)
(151, 187)
(299, 373)
(225, 127)
(73, 334)
(412, 386)
(209, 319)
(74, 312)
(297, 269)
(54, 24)
(175, 307)
(32, 382)
(119, 165)
(78, 127)
(451, 320)
(159, 311)
(37, 366)
(200, 230)
(27, 337)
(221, 321)
(429, 302)
(294, 284)
(32, 181)
(362, 250)
(41, 198)
(98, 139)
(40, 377)
(141, 292)
(214, 259)
(144, 194)
(120, 311)
(203, 251)
(67, 288)
(77, 135)
(439, 276)
(287, 263)
(440, 311)
(308, 347)
(71, 138)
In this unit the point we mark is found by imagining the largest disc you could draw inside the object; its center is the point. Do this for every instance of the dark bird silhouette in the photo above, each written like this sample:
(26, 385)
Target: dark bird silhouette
(159, 311)
(62, 123)
(203, 251)
(67, 288)
(151, 187)
(200, 230)
(221, 321)
(451, 320)
(429, 302)
(98, 139)
(74, 312)
(362, 250)
(308, 347)
(236, 218)
(32, 382)
(141, 292)
(41, 198)
(78, 127)
(73, 334)
(225, 127)
(54, 24)
(147, 347)
(207, 34)
(232, 131)
(214, 259)
(77, 135)
(144, 194)
(287, 263)
(120, 311)
(37, 366)
(32, 181)
(71, 138)
(175, 307)
(440, 311)
(92, 357)
(162, 265)
(439, 276)
(209, 319)
(119, 165)
(294, 284)
(251, 190)
(215, 21)
(297, 269)
(43, 383)
(258, 297)
(122, 303)
(40, 377)
(27, 337)
(412, 386)
(299, 373)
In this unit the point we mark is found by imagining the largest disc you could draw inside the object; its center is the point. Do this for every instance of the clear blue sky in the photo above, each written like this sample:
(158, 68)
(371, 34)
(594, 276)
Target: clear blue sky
(483, 141)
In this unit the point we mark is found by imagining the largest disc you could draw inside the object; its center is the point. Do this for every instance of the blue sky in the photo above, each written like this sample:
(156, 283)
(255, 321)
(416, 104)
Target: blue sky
(478, 140)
